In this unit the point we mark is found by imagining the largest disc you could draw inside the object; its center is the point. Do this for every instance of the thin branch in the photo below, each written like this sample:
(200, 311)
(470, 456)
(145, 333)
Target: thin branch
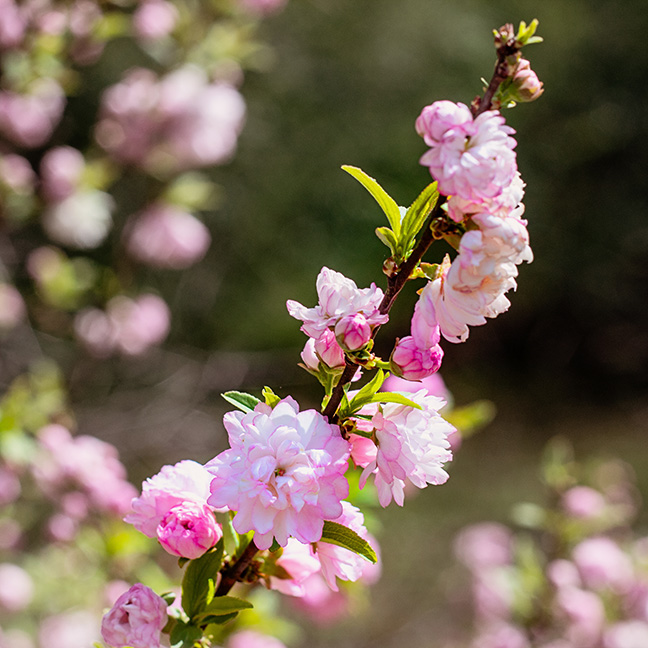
(232, 575)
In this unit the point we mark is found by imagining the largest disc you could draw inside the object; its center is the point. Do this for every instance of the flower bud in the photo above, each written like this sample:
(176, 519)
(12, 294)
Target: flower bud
(188, 530)
(410, 362)
(526, 83)
(329, 350)
(353, 331)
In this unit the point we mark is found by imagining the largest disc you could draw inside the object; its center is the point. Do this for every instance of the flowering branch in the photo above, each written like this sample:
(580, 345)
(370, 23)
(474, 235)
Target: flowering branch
(231, 575)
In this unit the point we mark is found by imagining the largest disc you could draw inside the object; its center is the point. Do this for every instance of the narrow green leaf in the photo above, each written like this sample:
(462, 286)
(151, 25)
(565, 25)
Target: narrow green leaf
(270, 397)
(364, 395)
(415, 216)
(342, 536)
(243, 401)
(223, 605)
(386, 202)
(218, 620)
(388, 238)
(230, 537)
(390, 397)
(195, 584)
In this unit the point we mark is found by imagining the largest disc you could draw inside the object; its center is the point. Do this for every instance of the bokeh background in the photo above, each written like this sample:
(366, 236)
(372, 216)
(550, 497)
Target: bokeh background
(342, 83)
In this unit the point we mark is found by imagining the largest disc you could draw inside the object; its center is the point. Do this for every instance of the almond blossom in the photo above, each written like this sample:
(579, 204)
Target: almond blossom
(283, 475)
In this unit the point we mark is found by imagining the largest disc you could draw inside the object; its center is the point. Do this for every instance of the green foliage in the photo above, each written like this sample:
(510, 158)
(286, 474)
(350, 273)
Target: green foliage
(342, 536)
(241, 400)
(470, 418)
(185, 635)
(199, 579)
(270, 397)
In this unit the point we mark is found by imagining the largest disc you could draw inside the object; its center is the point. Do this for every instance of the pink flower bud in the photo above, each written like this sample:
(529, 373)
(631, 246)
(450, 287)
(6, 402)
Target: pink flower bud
(412, 363)
(526, 82)
(308, 355)
(188, 530)
(353, 331)
(329, 350)
(154, 19)
(136, 619)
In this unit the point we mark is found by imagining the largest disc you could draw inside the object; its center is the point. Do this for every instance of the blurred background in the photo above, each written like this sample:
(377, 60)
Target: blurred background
(342, 83)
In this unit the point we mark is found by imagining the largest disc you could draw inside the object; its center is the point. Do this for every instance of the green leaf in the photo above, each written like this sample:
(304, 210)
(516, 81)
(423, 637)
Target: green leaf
(195, 584)
(365, 395)
(222, 606)
(243, 401)
(185, 635)
(219, 620)
(168, 597)
(388, 238)
(342, 536)
(270, 397)
(390, 397)
(386, 202)
(230, 537)
(415, 216)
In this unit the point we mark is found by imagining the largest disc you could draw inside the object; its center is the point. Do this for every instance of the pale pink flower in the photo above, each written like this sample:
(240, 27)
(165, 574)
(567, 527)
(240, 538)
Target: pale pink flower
(363, 450)
(434, 385)
(484, 545)
(154, 19)
(12, 25)
(188, 530)
(16, 588)
(584, 614)
(78, 629)
(563, 573)
(136, 620)
(328, 349)
(164, 236)
(185, 482)
(82, 220)
(338, 297)
(602, 564)
(626, 634)
(12, 309)
(470, 158)
(320, 603)
(412, 447)
(284, 473)
(29, 119)
(253, 639)
(411, 362)
(60, 171)
(299, 562)
(583, 503)
(338, 562)
(502, 635)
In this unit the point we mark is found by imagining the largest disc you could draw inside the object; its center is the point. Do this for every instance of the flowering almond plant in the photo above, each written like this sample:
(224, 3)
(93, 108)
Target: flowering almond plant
(273, 509)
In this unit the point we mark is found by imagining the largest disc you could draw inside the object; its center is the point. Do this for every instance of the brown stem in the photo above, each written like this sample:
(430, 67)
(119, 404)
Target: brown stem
(394, 286)
(231, 575)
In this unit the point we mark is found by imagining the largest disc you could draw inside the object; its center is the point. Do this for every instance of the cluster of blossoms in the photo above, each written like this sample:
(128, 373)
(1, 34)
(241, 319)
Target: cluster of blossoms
(474, 162)
(584, 586)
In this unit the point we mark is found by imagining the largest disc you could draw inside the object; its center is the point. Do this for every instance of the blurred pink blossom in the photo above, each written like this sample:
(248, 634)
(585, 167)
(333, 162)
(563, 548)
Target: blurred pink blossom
(583, 502)
(252, 639)
(69, 630)
(320, 603)
(154, 19)
(135, 620)
(484, 545)
(602, 563)
(12, 309)
(60, 172)
(164, 236)
(17, 174)
(16, 588)
(584, 614)
(262, 7)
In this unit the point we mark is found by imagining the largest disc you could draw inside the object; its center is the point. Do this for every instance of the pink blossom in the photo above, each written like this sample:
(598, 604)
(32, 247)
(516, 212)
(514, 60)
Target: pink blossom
(363, 450)
(185, 482)
(411, 362)
(602, 563)
(563, 573)
(412, 447)
(502, 635)
(583, 502)
(12, 25)
(252, 639)
(17, 174)
(12, 309)
(339, 297)
(82, 220)
(16, 588)
(338, 562)
(328, 349)
(164, 236)
(284, 473)
(353, 331)
(470, 158)
(299, 562)
(584, 613)
(166, 125)
(61, 170)
(136, 620)
(77, 629)
(626, 634)
(433, 384)
(188, 530)
(320, 602)
(154, 19)
(484, 545)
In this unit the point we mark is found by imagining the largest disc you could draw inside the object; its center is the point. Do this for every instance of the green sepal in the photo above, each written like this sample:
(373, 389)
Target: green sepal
(386, 202)
(526, 34)
(338, 534)
(387, 237)
(195, 584)
(270, 397)
(244, 402)
(275, 546)
(168, 597)
(222, 606)
(185, 635)
(415, 216)
(430, 270)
